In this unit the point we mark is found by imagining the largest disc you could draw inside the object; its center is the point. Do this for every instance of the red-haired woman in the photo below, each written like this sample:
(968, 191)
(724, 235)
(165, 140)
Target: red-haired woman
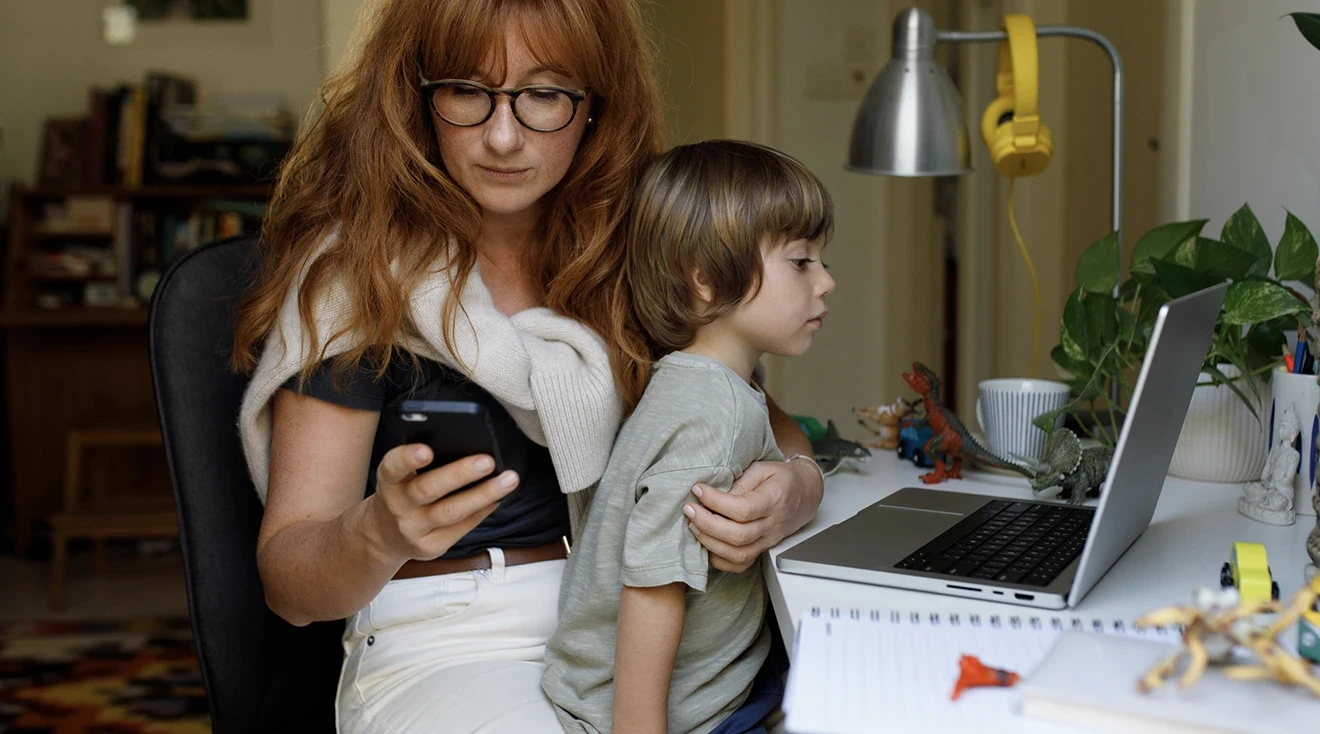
(448, 228)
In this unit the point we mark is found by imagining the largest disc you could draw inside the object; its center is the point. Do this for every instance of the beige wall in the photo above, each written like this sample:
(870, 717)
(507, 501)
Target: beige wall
(1245, 94)
(338, 18)
(691, 39)
(52, 51)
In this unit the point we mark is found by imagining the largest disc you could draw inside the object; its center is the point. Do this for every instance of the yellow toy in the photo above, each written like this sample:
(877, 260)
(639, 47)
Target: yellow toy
(1248, 571)
(1217, 624)
(1019, 143)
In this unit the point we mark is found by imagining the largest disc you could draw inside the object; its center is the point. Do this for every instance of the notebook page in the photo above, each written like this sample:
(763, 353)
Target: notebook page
(896, 672)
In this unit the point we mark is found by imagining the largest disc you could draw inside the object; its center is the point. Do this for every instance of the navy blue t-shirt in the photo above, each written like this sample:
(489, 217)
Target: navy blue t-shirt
(534, 513)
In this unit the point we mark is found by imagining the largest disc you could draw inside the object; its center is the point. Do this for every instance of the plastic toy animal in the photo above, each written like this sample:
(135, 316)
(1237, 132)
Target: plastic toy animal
(884, 421)
(832, 450)
(1078, 471)
(1216, 624)
(951, 439)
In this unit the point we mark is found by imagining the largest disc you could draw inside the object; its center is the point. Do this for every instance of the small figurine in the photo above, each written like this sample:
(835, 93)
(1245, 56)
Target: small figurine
(1248, 570)
(1270, 500)
(883, 422)
(1217, 624)
(972, 673)
(1078, 472)
(950, 439)
(832, 451)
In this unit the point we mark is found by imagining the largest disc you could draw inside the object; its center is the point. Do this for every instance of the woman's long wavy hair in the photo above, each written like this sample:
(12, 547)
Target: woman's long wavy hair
(369, 166)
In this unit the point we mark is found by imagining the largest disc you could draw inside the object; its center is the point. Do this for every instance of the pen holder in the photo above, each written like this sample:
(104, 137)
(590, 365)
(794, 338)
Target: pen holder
(1303, 393)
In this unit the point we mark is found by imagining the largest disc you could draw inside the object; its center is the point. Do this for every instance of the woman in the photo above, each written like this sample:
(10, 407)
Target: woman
(448, 227)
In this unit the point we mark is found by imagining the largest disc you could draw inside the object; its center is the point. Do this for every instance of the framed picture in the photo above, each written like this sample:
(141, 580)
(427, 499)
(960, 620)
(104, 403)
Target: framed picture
(191, 10)
(62, 158)
(196, 24)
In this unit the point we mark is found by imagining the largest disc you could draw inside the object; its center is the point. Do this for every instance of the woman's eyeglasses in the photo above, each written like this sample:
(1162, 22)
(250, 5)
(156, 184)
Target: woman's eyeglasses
(541, 107)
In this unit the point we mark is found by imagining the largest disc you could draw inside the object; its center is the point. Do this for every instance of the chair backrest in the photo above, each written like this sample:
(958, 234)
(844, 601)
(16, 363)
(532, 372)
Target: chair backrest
(261, 673)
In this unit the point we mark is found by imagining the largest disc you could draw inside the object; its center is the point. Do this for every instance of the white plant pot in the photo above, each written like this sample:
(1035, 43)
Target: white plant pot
(1221, 441)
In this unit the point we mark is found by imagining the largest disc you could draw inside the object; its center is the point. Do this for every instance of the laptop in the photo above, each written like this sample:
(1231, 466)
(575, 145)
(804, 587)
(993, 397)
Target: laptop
(1045, 554)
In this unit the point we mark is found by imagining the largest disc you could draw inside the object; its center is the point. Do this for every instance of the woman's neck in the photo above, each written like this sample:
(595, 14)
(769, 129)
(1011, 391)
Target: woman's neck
(502, 248)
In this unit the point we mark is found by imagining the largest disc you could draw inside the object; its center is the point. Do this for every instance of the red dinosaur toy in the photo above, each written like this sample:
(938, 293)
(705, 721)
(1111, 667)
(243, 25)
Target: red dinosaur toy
(951, 438)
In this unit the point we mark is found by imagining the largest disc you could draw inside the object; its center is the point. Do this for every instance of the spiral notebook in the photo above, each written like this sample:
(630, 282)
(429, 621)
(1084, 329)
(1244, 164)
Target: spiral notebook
(865, 671)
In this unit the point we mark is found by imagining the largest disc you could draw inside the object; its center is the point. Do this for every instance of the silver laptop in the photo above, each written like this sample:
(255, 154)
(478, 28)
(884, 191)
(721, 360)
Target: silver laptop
(1037, 553)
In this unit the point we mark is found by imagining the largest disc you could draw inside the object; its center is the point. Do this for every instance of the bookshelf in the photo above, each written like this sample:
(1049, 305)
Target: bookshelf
(78, 272)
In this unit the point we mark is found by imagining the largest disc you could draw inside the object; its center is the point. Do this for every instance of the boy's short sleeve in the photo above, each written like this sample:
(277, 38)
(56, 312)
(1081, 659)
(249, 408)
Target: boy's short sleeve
(658, 548)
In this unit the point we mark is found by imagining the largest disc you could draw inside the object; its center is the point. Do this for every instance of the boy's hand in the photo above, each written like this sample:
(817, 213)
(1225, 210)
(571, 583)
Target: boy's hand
(768, 503)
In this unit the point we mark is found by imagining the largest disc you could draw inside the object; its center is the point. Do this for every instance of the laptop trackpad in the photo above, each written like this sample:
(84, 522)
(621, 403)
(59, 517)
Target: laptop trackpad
(876, 538)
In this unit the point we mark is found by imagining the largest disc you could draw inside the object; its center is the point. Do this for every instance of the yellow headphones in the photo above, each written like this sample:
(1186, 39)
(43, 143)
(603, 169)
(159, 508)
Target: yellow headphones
(1019, 143)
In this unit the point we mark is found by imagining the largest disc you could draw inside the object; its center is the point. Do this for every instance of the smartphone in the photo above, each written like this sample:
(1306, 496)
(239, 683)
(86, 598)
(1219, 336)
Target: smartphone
(455, 429)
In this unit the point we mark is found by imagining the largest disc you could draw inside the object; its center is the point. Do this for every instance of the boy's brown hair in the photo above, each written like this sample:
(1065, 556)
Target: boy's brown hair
(710, 208)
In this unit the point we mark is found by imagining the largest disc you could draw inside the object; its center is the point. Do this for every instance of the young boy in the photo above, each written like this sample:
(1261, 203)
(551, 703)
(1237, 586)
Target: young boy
(724, 263)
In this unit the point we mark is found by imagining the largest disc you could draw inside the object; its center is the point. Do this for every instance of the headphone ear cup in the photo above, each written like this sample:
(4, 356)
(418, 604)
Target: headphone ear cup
(990, 119)
(998, 136)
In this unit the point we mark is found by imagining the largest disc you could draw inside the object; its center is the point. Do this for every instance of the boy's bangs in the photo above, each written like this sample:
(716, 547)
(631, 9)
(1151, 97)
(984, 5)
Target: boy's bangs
(797, 206)
(469, 40)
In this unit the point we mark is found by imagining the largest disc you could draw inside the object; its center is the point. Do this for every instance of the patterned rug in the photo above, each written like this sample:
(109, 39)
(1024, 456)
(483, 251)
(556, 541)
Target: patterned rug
(131, 677)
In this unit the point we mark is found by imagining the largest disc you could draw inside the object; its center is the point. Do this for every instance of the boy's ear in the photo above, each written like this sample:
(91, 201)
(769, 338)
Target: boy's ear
(702, 287)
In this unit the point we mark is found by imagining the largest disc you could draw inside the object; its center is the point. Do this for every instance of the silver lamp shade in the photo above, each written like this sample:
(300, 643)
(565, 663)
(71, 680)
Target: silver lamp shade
(911, 122)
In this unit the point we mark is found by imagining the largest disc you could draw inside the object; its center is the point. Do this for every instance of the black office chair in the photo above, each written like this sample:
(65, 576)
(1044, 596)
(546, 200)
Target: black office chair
(261, 673)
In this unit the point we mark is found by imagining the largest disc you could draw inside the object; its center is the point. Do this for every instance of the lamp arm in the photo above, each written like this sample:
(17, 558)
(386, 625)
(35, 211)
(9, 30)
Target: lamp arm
(1099, 40)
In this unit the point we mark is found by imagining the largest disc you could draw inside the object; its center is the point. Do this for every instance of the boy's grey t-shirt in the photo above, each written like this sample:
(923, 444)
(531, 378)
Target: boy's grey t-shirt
(697, 422)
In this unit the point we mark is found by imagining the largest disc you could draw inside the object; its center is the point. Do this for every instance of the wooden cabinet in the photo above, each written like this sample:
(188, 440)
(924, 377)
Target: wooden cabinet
(71, 364)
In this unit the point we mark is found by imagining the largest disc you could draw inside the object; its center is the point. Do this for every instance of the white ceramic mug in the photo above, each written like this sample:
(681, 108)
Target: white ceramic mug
(1006, 408)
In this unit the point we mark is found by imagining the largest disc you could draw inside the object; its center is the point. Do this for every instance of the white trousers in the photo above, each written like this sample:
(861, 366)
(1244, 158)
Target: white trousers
(462, 652)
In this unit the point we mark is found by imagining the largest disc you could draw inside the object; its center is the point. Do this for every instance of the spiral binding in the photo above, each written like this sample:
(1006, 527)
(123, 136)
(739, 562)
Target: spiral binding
(997, 621)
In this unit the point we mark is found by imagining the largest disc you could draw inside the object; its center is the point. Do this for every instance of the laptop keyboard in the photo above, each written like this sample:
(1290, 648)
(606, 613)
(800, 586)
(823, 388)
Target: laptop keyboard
(1013, 542)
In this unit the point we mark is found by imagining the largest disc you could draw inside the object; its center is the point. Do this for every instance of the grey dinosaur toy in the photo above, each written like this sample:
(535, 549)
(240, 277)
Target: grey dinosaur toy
(1078, 471)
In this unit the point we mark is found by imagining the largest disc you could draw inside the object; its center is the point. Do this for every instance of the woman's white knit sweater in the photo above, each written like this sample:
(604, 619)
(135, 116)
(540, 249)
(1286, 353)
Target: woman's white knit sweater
(550, 372)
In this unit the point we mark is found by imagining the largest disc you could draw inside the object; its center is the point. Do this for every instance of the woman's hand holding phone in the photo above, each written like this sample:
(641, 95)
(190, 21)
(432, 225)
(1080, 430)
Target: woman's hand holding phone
(421, 516)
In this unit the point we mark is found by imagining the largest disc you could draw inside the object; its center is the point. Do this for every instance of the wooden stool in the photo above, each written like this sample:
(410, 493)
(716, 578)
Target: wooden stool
(101, 520)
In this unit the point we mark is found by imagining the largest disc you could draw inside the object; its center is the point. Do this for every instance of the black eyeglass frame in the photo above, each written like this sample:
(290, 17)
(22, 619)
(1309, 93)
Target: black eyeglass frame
(576, 96)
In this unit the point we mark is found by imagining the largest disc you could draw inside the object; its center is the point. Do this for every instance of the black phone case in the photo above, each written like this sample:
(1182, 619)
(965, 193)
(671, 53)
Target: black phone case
(455, 429)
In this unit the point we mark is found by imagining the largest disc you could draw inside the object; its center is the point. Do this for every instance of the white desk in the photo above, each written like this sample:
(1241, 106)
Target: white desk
(1189, 539)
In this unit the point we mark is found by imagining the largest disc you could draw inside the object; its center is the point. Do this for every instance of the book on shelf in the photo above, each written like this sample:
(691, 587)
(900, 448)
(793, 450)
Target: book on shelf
(155, 132)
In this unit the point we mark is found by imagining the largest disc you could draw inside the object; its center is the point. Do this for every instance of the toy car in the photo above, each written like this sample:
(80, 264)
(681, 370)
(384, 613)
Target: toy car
(1248, 570)
(912, 438)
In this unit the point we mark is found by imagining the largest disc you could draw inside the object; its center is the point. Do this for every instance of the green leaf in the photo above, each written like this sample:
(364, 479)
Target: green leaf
(1309, 25)
(1075, 368)
(1294, 258)
(1253, 301)
(1265, 343)
(1242, 230)
(1214, 258)
(1160, 241)
(1217, 377)
(1097, 269)
(1074, 337)
(1178, 280)
(1101, 323)
(1047, 421)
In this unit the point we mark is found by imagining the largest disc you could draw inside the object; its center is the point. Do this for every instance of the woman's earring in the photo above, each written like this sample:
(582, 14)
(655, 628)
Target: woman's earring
(590, 120)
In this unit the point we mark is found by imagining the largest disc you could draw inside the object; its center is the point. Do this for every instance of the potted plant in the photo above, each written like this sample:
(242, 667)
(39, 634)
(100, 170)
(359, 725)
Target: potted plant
(1103, 336)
